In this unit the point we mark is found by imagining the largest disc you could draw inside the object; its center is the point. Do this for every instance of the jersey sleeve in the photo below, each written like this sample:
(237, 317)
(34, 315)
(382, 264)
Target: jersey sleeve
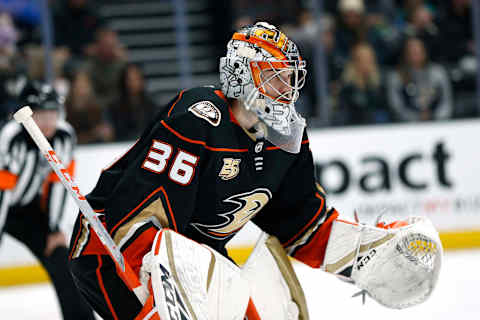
(298, 215)
(54, 196)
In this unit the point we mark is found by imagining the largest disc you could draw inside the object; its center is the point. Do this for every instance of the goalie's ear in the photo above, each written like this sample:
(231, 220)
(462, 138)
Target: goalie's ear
(397, 265)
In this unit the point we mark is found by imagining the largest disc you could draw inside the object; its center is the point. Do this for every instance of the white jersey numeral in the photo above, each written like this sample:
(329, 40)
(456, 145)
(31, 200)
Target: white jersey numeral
(182, 170)
(157, 158)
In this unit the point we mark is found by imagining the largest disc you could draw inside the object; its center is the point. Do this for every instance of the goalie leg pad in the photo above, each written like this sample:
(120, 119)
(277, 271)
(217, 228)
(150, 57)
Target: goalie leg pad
(275, 289)
(191, 281)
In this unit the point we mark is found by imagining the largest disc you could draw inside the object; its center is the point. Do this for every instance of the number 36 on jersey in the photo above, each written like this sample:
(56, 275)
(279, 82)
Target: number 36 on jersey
(182, 168)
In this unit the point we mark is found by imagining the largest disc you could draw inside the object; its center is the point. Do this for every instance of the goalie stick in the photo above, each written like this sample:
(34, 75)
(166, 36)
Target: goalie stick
(24, 117)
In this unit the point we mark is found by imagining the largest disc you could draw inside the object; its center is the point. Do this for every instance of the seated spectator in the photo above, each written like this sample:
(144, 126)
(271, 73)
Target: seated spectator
(421, 25)
(405, 9)
(307, 33)
(133, 109)
(75, 23)
(352, 28)
(36, 67)
(381, 11)
(84, 112)
(361, 99)
(106, 61)
(419, 90)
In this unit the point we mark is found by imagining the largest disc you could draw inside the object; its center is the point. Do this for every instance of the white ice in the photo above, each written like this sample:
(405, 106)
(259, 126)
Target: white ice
(456, 296)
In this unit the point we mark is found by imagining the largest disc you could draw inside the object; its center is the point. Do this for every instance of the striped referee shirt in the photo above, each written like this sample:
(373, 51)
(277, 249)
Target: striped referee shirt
(25, 175)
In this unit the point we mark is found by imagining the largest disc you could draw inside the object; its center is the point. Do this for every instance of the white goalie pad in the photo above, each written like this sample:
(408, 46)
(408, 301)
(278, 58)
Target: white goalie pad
(275, 289)
(397, 267)
(192, 281)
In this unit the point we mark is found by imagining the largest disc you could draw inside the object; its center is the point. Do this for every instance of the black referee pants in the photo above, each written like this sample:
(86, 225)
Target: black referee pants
(29, 225)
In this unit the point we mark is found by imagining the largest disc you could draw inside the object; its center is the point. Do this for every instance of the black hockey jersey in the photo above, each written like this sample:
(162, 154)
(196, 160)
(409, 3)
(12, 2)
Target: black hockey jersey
(197, 171)
(25, 175)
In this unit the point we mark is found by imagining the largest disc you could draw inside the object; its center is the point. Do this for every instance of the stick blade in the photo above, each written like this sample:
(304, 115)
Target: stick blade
(23, 114)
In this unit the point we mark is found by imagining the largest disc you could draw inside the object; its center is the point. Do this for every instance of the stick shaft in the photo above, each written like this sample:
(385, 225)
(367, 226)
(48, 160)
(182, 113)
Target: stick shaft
(123, 268)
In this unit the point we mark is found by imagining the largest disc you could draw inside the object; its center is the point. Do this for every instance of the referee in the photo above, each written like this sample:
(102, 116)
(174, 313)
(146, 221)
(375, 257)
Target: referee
(32, 199)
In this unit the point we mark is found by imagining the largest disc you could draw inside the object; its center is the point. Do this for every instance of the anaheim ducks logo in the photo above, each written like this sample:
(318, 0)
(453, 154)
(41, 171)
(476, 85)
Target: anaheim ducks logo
(208, 111)
(248, 205)
(230, 169)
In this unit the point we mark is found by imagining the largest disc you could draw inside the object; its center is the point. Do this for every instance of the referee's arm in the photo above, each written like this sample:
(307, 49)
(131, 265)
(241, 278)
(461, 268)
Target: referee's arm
(54, 195)
(13, 155)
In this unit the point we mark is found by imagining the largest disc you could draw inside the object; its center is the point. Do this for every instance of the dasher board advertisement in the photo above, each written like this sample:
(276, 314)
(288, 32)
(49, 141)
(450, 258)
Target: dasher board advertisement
(431, 169)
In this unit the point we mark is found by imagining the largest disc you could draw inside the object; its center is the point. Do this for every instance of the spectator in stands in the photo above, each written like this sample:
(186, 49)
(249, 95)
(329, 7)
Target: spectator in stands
(421, 25)
(405, 9)
(306, 33)
(12, 67)
(361, 99)
(335, 62)
(84, 112)
(36, 67)
(133, 109)
(75, 23)
(352, 28)
(419, 90)
(384, 10)
(388, 8)
(105, 64)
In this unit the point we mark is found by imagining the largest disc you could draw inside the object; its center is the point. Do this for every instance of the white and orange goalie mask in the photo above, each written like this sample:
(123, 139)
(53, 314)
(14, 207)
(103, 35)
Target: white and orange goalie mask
(264, 70)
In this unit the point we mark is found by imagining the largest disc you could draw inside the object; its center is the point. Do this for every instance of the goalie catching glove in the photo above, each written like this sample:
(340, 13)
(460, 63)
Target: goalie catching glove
(397, 264)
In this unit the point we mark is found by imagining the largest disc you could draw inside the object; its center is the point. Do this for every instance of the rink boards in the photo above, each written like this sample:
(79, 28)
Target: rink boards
(430, 169)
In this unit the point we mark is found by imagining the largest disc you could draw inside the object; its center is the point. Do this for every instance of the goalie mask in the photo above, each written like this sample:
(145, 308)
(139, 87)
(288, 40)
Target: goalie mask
(264, 70)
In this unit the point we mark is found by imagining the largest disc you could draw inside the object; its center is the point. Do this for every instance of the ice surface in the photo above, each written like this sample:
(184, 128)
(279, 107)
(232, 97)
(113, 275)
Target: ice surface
(456, 296)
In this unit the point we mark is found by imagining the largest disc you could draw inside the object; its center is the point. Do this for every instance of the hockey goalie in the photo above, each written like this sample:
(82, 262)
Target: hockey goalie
(209, 162)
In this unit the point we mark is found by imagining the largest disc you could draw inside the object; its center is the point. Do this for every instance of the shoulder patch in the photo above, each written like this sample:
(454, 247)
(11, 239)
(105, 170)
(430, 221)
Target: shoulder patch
(208, 111)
